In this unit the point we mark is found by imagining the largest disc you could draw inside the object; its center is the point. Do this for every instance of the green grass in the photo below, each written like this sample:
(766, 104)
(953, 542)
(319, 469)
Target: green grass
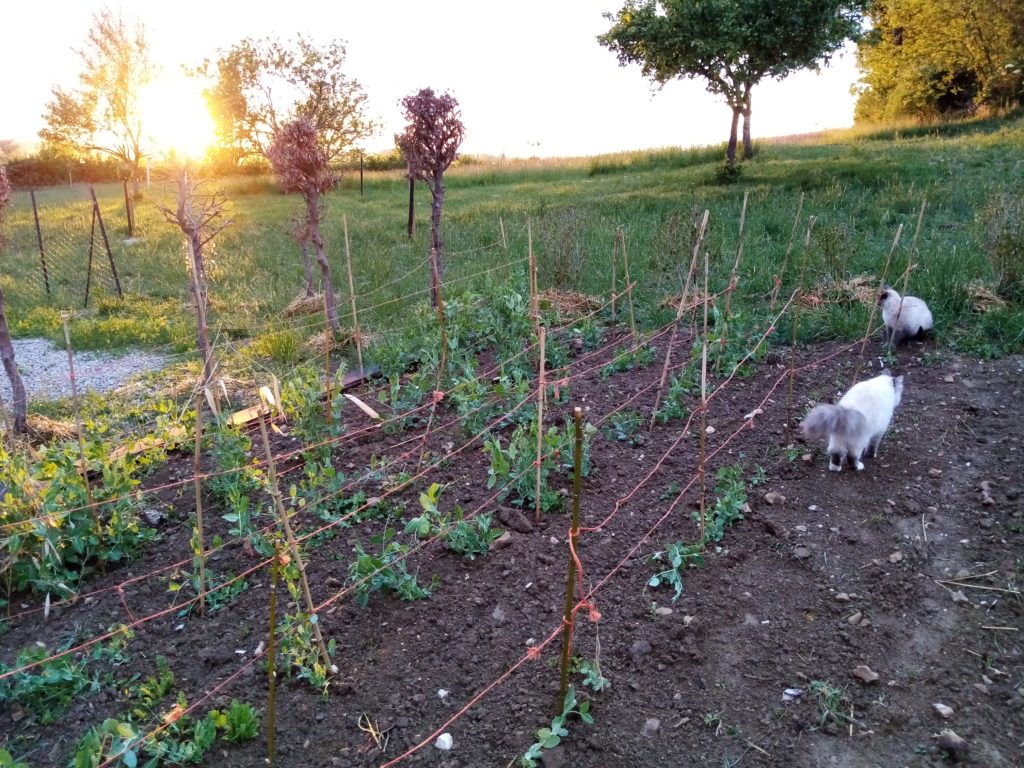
(859, 185)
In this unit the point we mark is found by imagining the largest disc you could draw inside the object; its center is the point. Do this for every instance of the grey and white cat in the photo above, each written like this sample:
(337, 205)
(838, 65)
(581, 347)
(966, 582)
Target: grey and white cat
(857, 422)
(904, 316)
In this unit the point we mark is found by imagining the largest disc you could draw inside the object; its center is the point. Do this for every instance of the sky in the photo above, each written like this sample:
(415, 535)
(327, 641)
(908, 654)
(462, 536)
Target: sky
(529, 75)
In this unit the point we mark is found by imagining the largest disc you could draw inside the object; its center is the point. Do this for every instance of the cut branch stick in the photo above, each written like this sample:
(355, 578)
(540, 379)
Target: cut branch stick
(629, 285)
(704, 406)
(733, 282)
(789, 248)
(874, 304)
(910, 263)
(328, 378)
(275, 570)
(352, 295)
(568, 620)
(679, 316)
(541, 387)
(83, 462)
(293, 547)
(614, 286)
(532, 268)
(798, 294)
(441, 368)
(199, 546)
(504, 247)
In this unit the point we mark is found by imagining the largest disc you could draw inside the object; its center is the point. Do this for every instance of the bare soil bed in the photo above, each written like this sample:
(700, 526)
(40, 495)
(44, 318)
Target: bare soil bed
(911, 568)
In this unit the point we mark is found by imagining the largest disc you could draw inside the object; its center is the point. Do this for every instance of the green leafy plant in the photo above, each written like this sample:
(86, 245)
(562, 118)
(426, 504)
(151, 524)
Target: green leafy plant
(591, 671)
(674, 405)
(550, 737)
(370, 573)
(7, 761)
(677, 557)
(239, 722)
(832, 701)
(101, 743)
(470, 538)
(629, 359)
(622, 427)
(183, 741)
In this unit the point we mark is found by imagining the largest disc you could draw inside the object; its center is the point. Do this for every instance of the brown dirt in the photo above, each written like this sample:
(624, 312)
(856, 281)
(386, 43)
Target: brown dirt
(900, 541)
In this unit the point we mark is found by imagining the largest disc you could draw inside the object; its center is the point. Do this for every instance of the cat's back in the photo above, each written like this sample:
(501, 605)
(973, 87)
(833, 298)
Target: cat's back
(875, 398)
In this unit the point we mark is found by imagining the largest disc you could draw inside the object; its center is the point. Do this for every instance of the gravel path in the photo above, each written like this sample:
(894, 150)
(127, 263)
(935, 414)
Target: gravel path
(45, 370)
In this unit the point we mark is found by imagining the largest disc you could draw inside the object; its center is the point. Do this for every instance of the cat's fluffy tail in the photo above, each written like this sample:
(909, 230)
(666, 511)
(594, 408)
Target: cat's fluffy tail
(822, 421)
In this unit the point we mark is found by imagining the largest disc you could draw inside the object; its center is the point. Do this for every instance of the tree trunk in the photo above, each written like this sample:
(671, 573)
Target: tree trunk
(195, 245)
(436, 245)
(730, 153)
(313, 212)
(748, 146)
(20, 400)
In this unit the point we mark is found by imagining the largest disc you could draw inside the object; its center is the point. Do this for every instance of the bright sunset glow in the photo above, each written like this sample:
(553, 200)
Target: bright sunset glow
(176, 119)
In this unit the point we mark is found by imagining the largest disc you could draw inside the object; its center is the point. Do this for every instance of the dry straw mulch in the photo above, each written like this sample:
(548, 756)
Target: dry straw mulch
(344, 338)
(859, 289)
(305, 305)
(568, 303)
(984, 297)
(42, 429)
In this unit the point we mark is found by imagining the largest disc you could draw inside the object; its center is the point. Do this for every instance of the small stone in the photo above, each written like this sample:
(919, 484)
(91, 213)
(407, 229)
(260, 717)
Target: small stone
(865, 673)
(17, 716)
(499, 615)
(896, 557)
(986, 522)
(553, 758)
(663, 610)
(639, 649)
(774, 498)
(842, 597)
(444, 742)
(807, 458)
(515, 520)
(943, 711)
(981, 688)
(949, 378)
(333, 583)
(710, 430)
(651, 727)
(152, 516)
(501, 542)
(954, 744)
(855, 618)
(801, 553)
(960, 597)
(933, 472)
(442, 694)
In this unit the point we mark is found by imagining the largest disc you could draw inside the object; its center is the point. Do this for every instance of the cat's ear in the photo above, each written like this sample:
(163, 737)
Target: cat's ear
(897, 384)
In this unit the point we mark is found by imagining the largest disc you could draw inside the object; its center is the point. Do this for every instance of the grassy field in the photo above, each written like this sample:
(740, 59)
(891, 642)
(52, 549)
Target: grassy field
(858, 187)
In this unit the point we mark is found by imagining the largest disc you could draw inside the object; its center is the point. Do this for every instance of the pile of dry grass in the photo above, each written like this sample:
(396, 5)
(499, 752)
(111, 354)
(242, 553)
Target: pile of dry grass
(346, 337)
(568, 303)
(984, 297)
(42, 429)
(859, 289)
(305, 305)
(694, 299)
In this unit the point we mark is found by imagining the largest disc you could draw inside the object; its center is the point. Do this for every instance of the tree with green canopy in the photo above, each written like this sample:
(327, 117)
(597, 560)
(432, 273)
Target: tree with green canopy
(925, 58)
(731, 44)
(104, 113)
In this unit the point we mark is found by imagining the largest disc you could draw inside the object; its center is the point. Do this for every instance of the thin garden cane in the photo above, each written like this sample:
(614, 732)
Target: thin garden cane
(441, 367)
(199, 545)
(275, 570)
(614, 287)
(704, 406)
(910, 264)
(796, 325)
(569, 619)
(293, 547)
(679, 316)
(504, 247)
(532, 268)
(541, 387)
(84, 466)
(352, 295)
(328, 378)
(789, 248)
(629, 285)
(874, 304)
(733, 282)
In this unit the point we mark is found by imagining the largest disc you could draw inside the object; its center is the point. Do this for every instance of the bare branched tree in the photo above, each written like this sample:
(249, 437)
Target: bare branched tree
(301, 165)
(19, 398)
(201, 217)
(430, 143)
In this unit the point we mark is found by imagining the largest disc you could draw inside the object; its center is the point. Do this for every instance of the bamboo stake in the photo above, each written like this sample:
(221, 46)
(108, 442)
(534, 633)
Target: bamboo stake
(615, 254)
(796, 326)
(200, 546)
(78, 412)
(275, 570)
(352, 294)
(733, 282)
(679, 316)
(874, 304)
(541, 387)
(629, 283)
(504, 247)
(704, 405)
(293, 546)
(532, 267)
(789, 248)
(328, 378)
(569, 619)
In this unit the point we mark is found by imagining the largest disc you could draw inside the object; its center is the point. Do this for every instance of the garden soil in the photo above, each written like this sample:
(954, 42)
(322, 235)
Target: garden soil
(897, 589)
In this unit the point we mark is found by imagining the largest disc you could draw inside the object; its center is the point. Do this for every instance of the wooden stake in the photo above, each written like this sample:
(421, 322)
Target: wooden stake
(910, 264)
(704, 405)
(504, 247)
(569, 619)
(88, 269)
(629, 283)
(39, 239)
(789, 247)
(293, 546)
(796, 325)
(84, 465)
(275, 570)
(874, 304)
(733, 282)
(541, 387)
(106, 243)
(200, 553)
(679, 316)
(534, 307)
(328, 379)
(352, 294)
(615, 257)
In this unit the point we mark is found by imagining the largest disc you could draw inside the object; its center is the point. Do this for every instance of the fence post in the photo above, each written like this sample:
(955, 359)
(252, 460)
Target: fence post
(570, 581)
(106, 243)
(39, 239)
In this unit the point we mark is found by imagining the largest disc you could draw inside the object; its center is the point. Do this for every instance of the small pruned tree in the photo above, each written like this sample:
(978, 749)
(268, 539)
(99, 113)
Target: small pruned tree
(301, 165)
(20, 400)
(430, 144)
(731, 44)
(201, 217)
(104, 113)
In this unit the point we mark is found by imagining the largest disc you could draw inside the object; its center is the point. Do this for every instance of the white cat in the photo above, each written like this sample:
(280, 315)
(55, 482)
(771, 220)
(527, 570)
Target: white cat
(905, 317)
(857, 423)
